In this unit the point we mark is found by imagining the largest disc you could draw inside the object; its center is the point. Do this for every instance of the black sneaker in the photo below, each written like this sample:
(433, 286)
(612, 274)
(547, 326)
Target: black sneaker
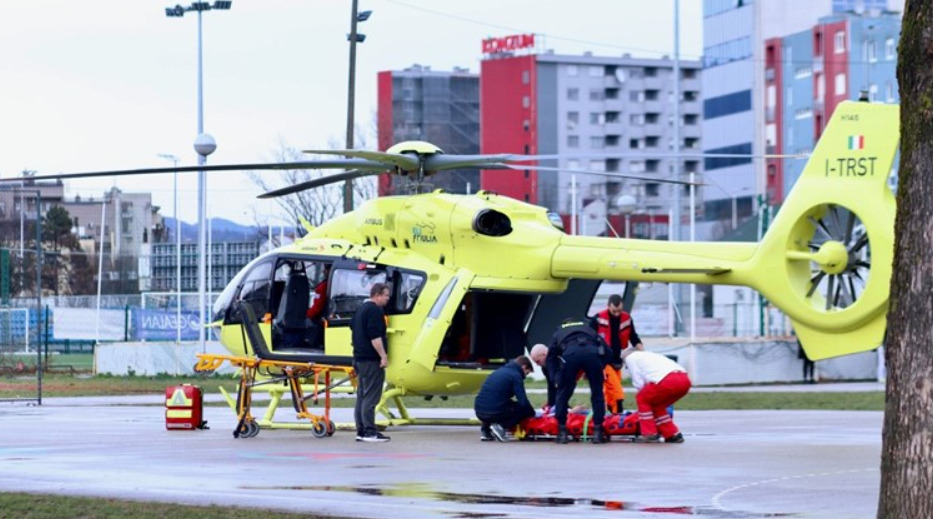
(375, 438)
(677, 438)
(485, 435)
(498, 432)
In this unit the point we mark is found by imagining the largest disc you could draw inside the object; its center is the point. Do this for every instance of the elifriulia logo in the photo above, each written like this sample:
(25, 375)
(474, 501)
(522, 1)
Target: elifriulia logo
(856, 142)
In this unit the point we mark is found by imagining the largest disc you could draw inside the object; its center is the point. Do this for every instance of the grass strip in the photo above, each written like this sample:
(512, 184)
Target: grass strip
(20, 505)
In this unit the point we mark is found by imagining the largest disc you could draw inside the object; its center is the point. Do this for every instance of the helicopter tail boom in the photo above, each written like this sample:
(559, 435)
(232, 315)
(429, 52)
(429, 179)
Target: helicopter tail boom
(825, 261)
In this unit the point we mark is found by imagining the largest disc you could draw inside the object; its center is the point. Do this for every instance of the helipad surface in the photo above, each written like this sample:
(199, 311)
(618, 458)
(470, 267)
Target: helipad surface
(734, 464)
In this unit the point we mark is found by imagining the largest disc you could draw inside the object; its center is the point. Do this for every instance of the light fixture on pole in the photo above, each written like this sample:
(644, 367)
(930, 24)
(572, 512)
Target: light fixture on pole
(627, 205)
(174, 159)
(354, 38)
(179, 11)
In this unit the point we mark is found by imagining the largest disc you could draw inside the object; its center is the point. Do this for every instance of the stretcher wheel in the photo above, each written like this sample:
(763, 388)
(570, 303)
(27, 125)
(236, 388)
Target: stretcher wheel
(251, 429)
(319, 429)
(331, 428)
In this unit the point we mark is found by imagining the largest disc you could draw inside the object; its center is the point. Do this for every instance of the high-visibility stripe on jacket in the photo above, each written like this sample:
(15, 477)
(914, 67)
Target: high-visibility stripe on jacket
(624, 331)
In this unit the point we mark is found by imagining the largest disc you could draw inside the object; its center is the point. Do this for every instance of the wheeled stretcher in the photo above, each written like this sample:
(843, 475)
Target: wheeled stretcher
(292, 373)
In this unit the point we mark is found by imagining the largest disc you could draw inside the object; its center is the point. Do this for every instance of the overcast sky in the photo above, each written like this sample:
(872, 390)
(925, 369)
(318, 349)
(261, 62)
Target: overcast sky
(111, 84)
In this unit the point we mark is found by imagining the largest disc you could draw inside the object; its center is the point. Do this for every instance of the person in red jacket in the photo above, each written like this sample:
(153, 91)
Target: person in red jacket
(616, 327)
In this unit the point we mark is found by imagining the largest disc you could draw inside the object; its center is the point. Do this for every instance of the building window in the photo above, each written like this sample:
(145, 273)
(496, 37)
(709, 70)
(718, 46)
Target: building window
(744, 152)
(596, 71)
(889, 92)
(596, 95)
(636, 119)
(526, 77)
(803, 113)
(596, 118)
(652, 189)
(637, 166)
(573, 141)
(597, 142)
(840, 84)
(872, 51)
(839, 42)
(526, 102)
(573, 94)
(889, 49)
(727, 104)
(636, 97)
(572, 70)
(634, 144)
(573, 119)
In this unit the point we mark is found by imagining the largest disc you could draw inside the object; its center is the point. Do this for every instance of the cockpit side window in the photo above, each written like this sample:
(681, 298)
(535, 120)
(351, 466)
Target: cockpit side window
(408, 289)
(350, 288)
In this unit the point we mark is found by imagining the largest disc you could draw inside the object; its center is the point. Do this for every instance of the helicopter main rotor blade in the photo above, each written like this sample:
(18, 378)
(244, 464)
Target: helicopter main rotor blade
(318, 182)
(388, 160)
(442, 162)
(605, 174)
(358, 164)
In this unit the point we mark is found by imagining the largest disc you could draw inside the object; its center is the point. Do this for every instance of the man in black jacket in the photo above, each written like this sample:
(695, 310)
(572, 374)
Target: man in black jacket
(502, 403)
(369, 361)
(576, 347)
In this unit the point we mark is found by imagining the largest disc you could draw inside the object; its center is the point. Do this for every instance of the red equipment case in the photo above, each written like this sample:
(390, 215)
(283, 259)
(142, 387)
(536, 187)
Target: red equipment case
(184, 407)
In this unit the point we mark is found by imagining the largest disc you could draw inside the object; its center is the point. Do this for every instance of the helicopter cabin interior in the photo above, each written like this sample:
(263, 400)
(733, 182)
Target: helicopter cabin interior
(300, 296)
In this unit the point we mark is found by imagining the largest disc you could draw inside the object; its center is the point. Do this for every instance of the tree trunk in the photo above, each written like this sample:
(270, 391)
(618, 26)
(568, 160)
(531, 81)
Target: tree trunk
(907, 450)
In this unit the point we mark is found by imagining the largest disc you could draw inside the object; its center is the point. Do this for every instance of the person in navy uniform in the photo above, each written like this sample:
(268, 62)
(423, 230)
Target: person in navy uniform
(501, 402)
(577, 348)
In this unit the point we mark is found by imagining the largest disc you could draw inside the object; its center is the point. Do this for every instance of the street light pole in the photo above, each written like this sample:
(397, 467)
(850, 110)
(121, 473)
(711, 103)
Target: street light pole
(174, 159)
(202, 144)
(354, 38)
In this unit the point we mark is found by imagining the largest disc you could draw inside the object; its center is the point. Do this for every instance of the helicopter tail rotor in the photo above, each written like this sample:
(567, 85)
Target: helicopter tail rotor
(833, 240)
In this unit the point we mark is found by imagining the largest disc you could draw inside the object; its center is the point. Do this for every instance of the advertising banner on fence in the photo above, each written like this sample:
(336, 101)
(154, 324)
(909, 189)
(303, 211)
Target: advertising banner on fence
(161, 325)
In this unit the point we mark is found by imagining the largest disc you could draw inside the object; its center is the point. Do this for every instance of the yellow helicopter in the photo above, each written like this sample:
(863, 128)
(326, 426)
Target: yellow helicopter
(475, 279)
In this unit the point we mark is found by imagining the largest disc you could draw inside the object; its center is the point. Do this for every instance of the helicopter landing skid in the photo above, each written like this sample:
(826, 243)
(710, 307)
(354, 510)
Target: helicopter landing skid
(294, 374)
(403, 417)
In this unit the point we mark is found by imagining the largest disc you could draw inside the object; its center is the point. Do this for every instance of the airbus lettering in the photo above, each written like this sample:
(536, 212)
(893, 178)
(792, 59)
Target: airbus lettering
(851, 167)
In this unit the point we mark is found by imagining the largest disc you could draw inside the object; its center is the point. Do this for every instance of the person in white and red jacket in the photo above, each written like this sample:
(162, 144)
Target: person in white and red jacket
(660, 382)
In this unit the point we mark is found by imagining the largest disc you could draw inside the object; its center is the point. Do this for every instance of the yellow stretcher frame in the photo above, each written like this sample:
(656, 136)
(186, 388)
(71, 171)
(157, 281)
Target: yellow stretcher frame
(295, 374)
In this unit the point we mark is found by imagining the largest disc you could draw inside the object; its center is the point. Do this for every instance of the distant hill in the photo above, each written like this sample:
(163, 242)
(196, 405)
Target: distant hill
(221, 230)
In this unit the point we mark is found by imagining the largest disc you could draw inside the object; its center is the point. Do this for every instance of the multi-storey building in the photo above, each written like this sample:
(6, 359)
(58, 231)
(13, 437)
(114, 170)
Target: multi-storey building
(439, 107)
(734, 99)
(603, 114)
(846, 56)
(124, 234)
(227, 258)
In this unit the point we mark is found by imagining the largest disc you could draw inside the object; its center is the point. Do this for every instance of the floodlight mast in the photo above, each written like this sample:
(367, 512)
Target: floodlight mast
(201, 146)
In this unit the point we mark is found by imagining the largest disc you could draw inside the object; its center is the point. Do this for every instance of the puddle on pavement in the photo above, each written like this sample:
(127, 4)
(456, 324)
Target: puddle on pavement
(425, 492)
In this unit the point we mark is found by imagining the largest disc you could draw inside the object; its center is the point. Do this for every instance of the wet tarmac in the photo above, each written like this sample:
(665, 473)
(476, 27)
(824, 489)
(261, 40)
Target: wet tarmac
(734, 464)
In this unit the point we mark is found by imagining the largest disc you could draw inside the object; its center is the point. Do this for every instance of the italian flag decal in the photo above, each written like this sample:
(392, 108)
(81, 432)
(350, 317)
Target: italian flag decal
(856, 142)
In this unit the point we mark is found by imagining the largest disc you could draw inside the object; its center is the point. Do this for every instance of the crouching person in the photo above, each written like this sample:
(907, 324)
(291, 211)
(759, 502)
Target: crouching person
(502, 403)
(660, 382)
